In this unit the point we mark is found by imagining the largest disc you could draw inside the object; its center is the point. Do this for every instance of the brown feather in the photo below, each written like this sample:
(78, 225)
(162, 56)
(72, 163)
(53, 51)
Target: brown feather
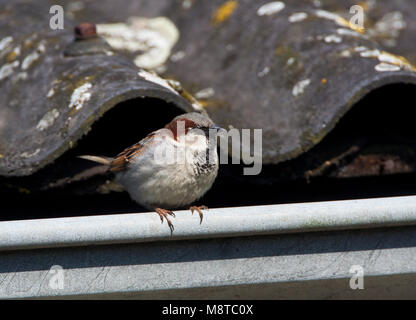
(122, 160)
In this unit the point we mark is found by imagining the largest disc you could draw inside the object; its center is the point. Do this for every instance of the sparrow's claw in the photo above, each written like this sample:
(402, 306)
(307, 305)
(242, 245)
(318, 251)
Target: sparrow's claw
(199, 210)
(163, 213)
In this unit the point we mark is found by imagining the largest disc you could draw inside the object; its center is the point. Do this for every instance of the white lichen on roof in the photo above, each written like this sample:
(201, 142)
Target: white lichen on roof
(263, 72)
(349, 32)
(360, 48)
(370, 53)
(327, 15)
(5, 42)
(153, 77)
(297, 17)
(270, 8)
(34, 56)
(14, 54)
(50, 93)
(21, 76)
(75, 6)
(346, 53)
(317, 3)
(397, 62)
(390, 58)
(151, 38)
(337, 19)
(29, 154)
(388, 28)
(333, 38)
(290, 61)
(177, 56)
(8, 69)
(387, 61)
(47, 120)
(385, 67)
(80, 96)
(205, 93)
(29, 59)
(197, 106)
(186, 4)
(299, 88)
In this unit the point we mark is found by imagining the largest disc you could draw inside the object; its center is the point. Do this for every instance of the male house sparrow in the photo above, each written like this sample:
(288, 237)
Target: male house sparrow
(171, 167)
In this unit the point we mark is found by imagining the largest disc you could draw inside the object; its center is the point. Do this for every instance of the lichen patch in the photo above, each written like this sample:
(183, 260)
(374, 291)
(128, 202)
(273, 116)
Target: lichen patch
(47, 120)
(337, 19)
(290, 61)
(21, 76)
(205, 93)
(80, 96)
(14, 54)
(50, 93)
(333, 38)
(153, 77)
(350, 33)
(187, 4)
(386, 67)
(388, 29)
(263, 72)
(177, 56)
(29, 154)
(151, 38)
(297, 17)
(34, 56)
(5, 42)
(8, 69)
(300, 87)
(388, 58)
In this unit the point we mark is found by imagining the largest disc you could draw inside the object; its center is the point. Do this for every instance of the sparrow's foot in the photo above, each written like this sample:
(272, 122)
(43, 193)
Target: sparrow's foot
(199, 210)
(163, 213)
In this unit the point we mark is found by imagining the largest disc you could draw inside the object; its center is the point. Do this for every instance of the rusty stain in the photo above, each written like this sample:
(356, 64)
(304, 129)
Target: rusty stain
(324, 80)
(224, 12)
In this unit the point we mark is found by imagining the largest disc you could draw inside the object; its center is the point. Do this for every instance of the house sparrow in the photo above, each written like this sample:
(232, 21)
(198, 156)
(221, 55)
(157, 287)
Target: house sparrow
(171, 167)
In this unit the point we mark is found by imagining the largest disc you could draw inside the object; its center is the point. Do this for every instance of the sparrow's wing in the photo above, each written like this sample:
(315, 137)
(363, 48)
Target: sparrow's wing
(122, 160)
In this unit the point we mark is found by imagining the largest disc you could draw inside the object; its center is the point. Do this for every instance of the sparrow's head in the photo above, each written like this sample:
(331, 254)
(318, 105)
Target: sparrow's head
(192, 124)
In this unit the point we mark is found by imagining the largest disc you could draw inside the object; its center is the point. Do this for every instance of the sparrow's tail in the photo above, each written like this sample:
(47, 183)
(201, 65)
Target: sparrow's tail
(86, 174)
(103, 160)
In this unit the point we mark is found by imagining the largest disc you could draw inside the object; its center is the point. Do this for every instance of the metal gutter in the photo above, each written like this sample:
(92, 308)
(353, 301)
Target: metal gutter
(218, 223)
(283, 260)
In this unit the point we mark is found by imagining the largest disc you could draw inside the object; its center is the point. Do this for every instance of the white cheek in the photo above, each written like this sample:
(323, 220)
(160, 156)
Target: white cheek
(195, 141)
